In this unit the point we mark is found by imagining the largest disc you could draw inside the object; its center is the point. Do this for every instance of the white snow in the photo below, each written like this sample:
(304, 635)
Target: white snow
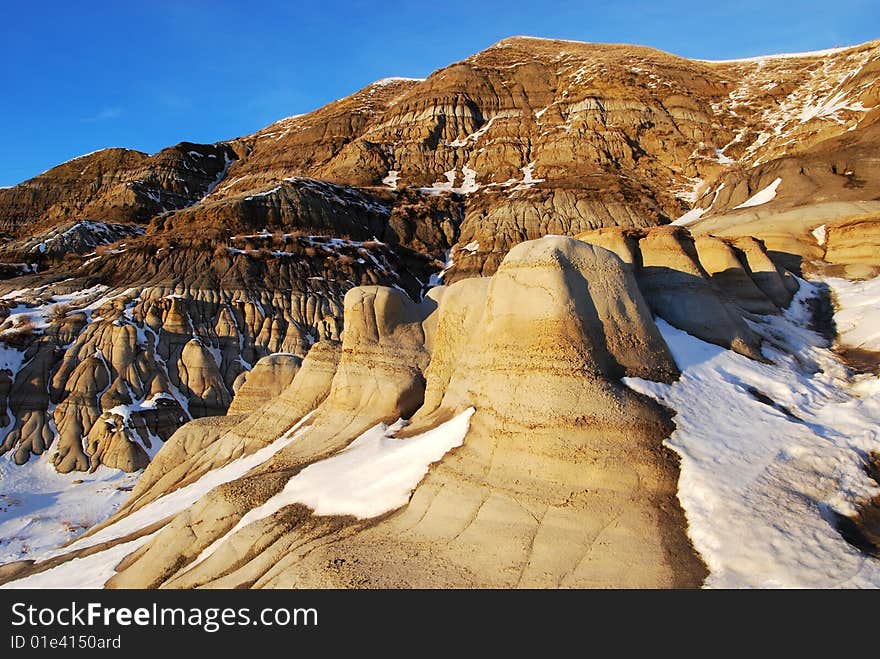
(391, 179)
(18, 292)
(39, 316)
(10, 358)
(220, 176)
(832, 90)
(690, 217)
(442, 186)
(723, 159)
(501, 43)
(528, 179)
(89, 572)
(760, 58)
(472, 246)
(373, 475)
(758, 486)
(762, 196)
(393, 79)
(264, 193)
(694, 213)
(468, 185)
(470, 180)
(690, 193)
(482, 130)
(436, 279)
(829, 107)
(173, 502)
(41, 509)
(339, 194)
(125, 411)
(819, 234)
(858, 312)
(93, 571)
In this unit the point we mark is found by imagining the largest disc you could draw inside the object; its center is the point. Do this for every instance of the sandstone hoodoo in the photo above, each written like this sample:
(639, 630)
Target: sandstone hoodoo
(168, 338)
(707, 287)
(463, 332)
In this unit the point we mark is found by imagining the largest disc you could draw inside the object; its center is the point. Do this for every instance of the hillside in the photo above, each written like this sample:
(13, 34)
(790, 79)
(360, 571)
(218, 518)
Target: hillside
(455, 332)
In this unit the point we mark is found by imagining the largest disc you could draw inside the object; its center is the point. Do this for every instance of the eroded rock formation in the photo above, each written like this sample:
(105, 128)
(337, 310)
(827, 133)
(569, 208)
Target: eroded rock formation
(102, 366)
(562, 479)
(212, 300)
(706, 286)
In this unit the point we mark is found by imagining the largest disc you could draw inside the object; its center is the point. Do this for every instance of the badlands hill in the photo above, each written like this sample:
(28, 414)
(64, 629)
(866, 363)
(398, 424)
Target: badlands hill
(255, 329)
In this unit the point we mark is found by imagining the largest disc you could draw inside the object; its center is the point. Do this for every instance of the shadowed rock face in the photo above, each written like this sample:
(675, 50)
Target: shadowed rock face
(117, 185)
(706, 286)
(727, 266)
(55, 243)
(562, 479)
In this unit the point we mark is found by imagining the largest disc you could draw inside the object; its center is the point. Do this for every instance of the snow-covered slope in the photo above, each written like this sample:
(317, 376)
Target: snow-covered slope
(41, 509)
(773, 456)
(858, 312)
(92, 571)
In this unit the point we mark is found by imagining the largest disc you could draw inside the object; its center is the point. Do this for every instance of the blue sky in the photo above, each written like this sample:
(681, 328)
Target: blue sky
(79, 76)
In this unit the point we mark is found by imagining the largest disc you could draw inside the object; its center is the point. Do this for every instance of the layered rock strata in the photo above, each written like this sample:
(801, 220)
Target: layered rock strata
(562, 479)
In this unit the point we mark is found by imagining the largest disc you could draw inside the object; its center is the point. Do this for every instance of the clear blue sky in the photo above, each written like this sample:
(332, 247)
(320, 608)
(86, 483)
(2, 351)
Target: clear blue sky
(79, 76)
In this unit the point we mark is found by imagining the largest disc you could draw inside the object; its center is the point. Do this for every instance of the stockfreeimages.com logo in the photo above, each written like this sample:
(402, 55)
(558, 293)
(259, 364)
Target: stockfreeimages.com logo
(212, 619)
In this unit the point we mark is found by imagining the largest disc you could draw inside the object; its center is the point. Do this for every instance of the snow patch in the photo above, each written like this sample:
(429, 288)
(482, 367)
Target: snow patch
(469, 183)
(41, 509)
(389, 81)
(470, 180)
(763, 58)
(436, 278)
(38, 317)
(528, 179)
(265, 193)
(690, 217)
(219, 178)
(723, 159)
(477, 134)
(690, 193)
(86, 573)
(373, 475)
(391, 179)
(762, 196)
(151, 403)
(858, 312)
(829, 107)
(176, 501)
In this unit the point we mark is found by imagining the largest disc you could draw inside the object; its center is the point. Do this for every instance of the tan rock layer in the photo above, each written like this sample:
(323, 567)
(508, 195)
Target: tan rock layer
(266, 380)
(562, 480)
(117, 185)
(706, 286)
(176, 332)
